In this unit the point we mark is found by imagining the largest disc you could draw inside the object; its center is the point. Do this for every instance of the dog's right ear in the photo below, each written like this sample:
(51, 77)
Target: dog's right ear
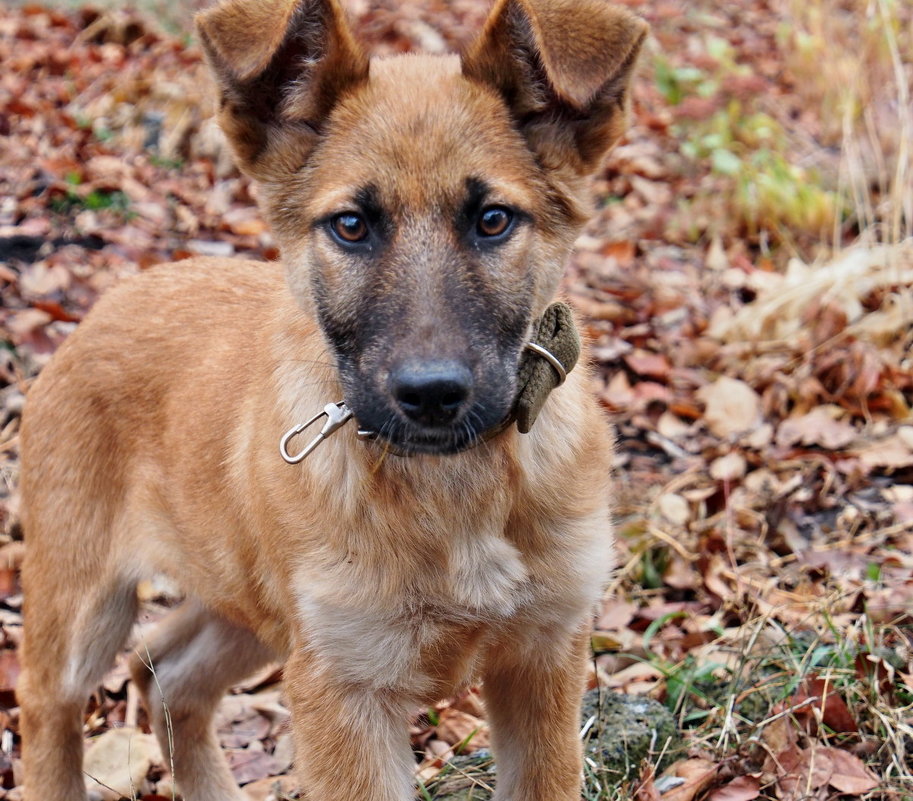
(281, 66)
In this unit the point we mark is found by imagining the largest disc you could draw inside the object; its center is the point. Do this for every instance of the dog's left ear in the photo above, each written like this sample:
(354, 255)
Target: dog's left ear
(563, 68)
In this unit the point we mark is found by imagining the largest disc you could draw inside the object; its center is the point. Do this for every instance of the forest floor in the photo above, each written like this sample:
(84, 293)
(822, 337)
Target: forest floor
(747, 284)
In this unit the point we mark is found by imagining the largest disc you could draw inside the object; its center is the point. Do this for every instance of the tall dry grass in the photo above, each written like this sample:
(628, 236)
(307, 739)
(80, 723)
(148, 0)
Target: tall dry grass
(853, 61)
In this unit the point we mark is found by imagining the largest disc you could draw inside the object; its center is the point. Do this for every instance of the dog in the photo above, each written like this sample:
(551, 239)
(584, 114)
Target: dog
(197, 422)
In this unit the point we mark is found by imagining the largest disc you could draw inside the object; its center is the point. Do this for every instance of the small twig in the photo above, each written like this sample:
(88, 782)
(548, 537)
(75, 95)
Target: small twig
(167, 712)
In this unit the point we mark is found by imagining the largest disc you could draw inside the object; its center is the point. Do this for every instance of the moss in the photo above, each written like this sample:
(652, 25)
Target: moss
(626, 730)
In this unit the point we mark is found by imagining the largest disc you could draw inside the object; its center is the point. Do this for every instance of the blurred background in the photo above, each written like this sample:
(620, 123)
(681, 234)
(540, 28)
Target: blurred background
(746, 283)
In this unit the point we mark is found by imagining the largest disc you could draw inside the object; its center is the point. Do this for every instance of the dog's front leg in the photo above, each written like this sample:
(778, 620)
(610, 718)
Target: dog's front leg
(532, 686)
(351, 740)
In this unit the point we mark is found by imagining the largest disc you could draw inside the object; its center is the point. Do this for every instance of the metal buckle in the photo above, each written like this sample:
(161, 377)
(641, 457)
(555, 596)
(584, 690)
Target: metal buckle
(550, 357)
(337, 414)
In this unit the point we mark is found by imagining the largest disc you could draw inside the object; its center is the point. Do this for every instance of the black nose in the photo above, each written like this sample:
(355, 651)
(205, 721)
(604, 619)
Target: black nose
(431, 393)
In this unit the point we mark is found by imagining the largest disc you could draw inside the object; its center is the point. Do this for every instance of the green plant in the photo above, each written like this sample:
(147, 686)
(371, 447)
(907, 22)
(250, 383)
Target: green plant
(97, 200)
(763, 189)
(166, 163)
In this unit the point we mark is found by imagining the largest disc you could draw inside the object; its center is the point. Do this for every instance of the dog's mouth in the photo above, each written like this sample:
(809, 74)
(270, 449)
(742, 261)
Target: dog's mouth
(403, 439)
(438, 406)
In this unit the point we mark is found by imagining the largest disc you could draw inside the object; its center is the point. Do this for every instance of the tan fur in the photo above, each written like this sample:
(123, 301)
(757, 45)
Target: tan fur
(385, 583)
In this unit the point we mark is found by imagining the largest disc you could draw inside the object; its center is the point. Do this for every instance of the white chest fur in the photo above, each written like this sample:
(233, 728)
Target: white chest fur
(401, 622)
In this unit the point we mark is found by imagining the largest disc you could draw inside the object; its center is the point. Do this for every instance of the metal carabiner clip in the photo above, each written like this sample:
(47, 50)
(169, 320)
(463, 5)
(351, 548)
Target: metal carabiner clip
(337, 414)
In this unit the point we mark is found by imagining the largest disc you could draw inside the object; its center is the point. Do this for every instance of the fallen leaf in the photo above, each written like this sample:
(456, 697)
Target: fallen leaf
(674, 508)
(821, 426)
(891, 453)
(238, 723)
(622, 251)
(779, 735)
(761, 437)
(672, 426)
(463, 730)
(697, 773)
(23, 323)
(743, 788)
(905, 434)
(41, 279)
(601, 641)
(647, 363)
(646, 790)
(730, 467)
(640, 673)
(732, 407)
(799, 770)
(618, 394)
(117, 762)
(244, 220)
(716, 258)
(249, 764)
(615, 614)
(849, 774)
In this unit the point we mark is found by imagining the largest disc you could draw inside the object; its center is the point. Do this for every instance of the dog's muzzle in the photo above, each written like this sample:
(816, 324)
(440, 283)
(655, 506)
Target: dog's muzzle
(547, 359)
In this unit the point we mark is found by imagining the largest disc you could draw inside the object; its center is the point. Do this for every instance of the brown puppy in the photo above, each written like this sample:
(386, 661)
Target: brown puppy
(424, 207)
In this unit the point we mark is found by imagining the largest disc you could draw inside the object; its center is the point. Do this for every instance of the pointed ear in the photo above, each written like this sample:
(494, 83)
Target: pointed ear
(563, 68)
(281, 66)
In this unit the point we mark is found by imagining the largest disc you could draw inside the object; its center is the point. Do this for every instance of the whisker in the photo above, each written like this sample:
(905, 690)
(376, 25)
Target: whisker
(472, 437)
(329, 365)
(317, 382)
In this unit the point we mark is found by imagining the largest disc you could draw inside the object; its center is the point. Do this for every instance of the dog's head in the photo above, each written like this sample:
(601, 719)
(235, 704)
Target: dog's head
(424, 205)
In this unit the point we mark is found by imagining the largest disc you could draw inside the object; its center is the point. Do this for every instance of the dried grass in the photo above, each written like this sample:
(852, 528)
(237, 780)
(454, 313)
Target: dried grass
(784, 301)
(853, 62)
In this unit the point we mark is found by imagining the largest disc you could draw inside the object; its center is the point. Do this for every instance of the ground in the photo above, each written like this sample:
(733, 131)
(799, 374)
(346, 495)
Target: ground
(746, 285)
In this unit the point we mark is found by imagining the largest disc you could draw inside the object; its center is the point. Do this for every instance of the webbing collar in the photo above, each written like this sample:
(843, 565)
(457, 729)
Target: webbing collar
(547, 359)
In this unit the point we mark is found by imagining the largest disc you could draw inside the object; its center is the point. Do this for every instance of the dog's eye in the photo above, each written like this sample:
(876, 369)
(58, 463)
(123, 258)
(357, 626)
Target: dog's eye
(349, 227)
(494, 221)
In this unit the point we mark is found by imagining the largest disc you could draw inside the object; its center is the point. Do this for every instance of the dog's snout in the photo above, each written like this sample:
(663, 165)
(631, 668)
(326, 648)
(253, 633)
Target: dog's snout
(431, 393)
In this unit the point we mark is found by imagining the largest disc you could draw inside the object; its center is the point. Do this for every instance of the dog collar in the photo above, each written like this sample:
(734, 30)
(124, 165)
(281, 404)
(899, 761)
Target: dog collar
(547, 359)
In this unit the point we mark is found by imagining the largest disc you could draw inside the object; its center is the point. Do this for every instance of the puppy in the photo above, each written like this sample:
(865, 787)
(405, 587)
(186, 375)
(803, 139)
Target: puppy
(457, 529)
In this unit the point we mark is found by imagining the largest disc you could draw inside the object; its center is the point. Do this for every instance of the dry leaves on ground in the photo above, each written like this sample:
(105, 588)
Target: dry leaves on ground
(761, 388)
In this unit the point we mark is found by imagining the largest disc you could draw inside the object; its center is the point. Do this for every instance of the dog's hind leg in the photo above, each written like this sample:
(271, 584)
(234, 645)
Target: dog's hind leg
(183, 671)
(73, 632)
